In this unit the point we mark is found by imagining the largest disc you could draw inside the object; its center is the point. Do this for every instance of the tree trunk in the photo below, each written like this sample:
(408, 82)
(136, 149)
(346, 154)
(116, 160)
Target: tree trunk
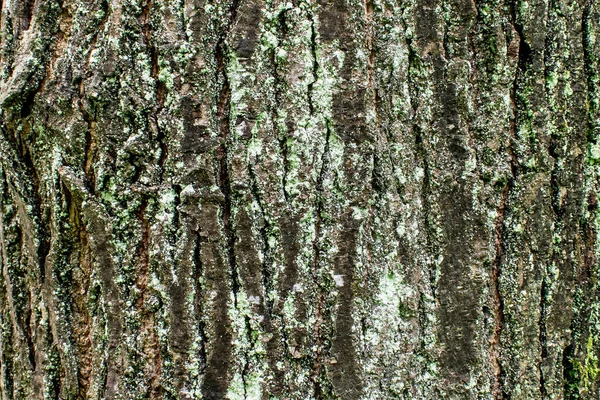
(300, 199)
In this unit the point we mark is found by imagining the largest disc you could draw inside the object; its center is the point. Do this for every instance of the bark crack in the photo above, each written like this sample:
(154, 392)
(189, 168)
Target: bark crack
(264, 234)
(154, 65)
(278, 83)
(198, 301)
(497, 300)
(546, 286)
(315, 64)
(150, 343)
(590, 67)
(90, 150)
(101, 23)
(320, 203)
(223, 119)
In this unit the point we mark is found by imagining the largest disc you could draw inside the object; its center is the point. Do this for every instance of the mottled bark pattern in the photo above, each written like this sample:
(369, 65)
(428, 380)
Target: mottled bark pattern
(300, 199)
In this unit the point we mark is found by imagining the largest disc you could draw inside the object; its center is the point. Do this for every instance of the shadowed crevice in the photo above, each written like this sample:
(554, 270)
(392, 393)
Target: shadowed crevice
(216, 379)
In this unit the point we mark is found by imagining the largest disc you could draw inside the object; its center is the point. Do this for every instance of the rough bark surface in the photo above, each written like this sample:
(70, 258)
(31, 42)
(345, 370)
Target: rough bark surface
(300, 199)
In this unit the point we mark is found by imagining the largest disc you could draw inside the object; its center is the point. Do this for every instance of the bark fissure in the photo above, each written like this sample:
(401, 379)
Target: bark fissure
(89, 151)
(83, 337)
(224, 124)
(546, 284)
(316, 266)
(199, 309)
(265, 229)
(99, 27)
(26, 13)
(315, 64)
(590, 61)
(279, 87)
(369, 26)
(497, 301)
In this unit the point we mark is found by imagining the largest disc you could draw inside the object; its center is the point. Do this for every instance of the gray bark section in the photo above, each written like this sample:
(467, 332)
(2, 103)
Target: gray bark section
(299, 199)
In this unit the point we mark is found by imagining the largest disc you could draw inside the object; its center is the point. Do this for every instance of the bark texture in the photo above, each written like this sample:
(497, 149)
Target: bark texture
(299, 199)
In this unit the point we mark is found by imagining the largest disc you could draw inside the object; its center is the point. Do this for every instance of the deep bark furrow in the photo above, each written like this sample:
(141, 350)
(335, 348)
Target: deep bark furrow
(500, 237)
(315, 63)
(224, 123)
(317, 268)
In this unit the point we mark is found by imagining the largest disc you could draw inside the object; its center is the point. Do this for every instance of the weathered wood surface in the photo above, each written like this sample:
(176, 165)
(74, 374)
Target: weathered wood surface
(330, 199)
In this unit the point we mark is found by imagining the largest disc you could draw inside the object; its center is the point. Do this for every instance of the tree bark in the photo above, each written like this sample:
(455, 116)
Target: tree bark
(300, 199)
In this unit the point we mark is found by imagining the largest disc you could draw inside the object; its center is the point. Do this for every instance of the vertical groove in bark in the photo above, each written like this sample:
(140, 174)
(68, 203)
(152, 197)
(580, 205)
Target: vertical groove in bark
(546, 286)
(316, 271)
(315, 63)
(90, 151)
(223, 119)
(198, 305)
(216, 382)
(26, 13)
(591, 68)
(83, 335)
(497, 296)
